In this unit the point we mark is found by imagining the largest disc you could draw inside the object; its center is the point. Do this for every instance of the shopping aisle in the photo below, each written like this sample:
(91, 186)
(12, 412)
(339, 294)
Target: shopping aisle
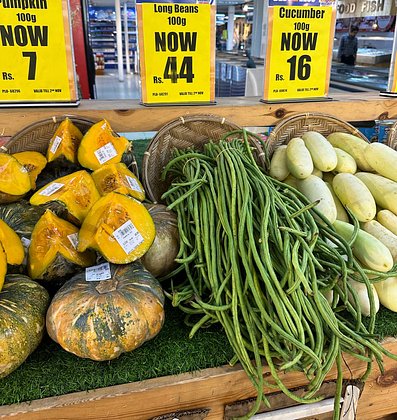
(108, 86)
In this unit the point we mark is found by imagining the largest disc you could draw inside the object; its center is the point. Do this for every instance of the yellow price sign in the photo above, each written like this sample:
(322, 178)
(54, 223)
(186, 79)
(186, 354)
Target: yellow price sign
(36, 55)
(176, 52)
(299, 52)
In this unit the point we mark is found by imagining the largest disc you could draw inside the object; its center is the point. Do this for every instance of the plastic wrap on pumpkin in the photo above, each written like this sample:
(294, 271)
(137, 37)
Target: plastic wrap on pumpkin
(117, 177)
(160, 258)
(100, 320)
(13, 247)
(70, 197)
(23, 305)
(53, 249)
(101, 146)
(64, 143)
(14, 179)
(119, 228)
(33, 162)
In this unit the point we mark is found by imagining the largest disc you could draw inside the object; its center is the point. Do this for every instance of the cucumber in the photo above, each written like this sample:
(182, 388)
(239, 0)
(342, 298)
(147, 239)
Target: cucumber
(352, 145)
(315, 189)
(278, 164)
(387, 293)
(355, 196)
(388, 219)
(382, 159)
(299, 161)
(346, 162)
(322, 153)
(341, 213)
(378, 231)
(318, 173)
(383, 190)
(366, 248)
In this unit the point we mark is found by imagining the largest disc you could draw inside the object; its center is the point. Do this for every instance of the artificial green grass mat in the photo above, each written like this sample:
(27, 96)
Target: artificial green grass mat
(51, 371)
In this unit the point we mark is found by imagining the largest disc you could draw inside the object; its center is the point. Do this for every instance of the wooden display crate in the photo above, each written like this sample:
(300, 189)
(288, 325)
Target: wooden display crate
(212, 392)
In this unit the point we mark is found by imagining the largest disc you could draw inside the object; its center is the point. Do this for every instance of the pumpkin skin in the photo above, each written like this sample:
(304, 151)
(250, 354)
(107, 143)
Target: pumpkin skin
(160, 258)
(23, 304)
(100, 320)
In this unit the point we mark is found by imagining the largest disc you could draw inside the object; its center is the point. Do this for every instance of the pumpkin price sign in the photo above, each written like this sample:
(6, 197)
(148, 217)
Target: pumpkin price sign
(177, 55)
(36, 54)
(299, 51)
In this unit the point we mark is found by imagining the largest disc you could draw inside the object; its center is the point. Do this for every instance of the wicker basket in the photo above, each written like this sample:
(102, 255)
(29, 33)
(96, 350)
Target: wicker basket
(37, 136)
(182, 133)
(296, 125)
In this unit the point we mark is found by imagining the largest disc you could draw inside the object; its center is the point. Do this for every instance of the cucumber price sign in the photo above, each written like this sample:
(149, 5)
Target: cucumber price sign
(176, 52)
(36, 55)
(299, 51)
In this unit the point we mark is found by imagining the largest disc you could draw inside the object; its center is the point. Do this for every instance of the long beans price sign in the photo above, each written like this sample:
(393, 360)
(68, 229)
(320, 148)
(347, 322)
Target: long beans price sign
(176, 52)
(36, 62)
(299, 50)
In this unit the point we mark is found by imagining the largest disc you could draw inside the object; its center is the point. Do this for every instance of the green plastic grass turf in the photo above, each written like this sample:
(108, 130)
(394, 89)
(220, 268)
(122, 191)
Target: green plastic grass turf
(51, 371)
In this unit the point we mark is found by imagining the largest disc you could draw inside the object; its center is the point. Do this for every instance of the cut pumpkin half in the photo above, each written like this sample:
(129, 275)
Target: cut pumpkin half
(33, 162)
(14, 179)
(53, 249)
(119, 227)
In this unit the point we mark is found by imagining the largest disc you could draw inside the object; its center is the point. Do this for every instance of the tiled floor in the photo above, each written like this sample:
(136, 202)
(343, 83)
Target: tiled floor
(109, 87)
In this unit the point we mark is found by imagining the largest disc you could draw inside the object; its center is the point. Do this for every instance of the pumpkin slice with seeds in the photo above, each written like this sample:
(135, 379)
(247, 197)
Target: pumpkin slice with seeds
(14, 179)
(119, 227)
(117, 177)
(64, 143)
(101, 146)
(33, 162)
(70, 197)
(53, 249)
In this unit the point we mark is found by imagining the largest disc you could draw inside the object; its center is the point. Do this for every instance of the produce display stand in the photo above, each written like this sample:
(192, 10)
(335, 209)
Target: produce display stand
(217, 392)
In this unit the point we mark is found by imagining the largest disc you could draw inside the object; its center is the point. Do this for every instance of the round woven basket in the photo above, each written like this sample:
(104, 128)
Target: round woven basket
(192, 131)
(37, 136)
(297, 124)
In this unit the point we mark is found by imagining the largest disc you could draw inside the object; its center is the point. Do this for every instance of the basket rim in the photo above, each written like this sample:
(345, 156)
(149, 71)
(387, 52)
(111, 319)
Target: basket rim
(272, 138)
(51, 120)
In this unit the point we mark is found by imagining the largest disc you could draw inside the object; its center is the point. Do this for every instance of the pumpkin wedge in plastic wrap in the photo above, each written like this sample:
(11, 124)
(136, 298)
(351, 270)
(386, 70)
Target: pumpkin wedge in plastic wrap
(23, 306)
(33, 162)
(118, 227)
(14, 179)
(53, 249)
(70, 197)
(101, 146)
(100, 320)
(13, 247)
(117, 177)
(64, 143)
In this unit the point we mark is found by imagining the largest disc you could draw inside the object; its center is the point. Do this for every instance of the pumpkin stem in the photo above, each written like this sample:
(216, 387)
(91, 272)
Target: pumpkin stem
(106, 286)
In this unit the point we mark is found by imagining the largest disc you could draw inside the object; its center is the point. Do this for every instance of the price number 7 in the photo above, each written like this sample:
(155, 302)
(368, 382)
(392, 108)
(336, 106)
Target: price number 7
(32, 64)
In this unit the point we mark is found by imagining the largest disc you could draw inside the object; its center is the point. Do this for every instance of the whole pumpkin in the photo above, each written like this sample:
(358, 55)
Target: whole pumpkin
(100, 320)
(160, 258)
(23, 304)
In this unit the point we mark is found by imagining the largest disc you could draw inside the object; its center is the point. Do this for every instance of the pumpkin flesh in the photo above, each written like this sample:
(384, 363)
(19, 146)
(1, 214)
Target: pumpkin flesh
(100, 320)
(33, 162)
(119, 227)
(23, 305)
(65, 142)
(117, 177)
(11, 244)
(53, 249)
(14, 179)
(100, 146)
(71, 196)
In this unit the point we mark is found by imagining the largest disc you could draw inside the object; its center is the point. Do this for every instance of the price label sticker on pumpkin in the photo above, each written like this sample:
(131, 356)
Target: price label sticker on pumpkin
(105, 153)
(51, 189)
(98, 272)
(133, 183)
(25, 242)
(128, 236)
(55, 144)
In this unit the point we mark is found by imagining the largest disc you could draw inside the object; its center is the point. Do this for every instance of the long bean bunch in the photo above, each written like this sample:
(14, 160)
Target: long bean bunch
(261, 261)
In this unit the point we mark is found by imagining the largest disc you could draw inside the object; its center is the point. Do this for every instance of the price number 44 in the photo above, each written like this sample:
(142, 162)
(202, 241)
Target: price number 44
(185, 71)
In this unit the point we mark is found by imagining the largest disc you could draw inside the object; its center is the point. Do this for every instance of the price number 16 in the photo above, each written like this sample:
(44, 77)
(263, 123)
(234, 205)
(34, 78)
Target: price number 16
(299, 67)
